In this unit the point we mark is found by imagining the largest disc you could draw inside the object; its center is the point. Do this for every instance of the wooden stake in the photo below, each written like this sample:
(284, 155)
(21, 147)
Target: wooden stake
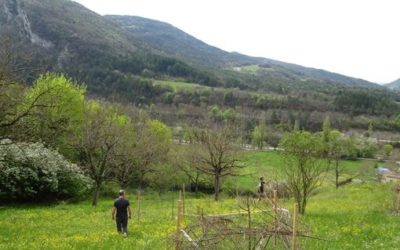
(138, 205)
(398, 202)
(173, 208)
(397, 198)
(178, 222)
(179, 217)
(183, 201)
(295, 211)
(275, 208)
(180, 207)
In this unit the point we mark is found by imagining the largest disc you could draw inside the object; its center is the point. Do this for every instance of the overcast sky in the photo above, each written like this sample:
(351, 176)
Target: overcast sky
(359, 38)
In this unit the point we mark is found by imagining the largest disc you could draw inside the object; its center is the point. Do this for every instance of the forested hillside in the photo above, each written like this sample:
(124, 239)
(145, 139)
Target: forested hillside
(146, 62)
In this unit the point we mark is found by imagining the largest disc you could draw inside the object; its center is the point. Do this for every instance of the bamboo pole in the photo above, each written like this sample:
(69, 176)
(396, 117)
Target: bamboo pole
(295, 211)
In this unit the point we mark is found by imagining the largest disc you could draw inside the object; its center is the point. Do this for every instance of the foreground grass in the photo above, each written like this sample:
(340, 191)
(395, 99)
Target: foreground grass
(357, 216)
(81, 226)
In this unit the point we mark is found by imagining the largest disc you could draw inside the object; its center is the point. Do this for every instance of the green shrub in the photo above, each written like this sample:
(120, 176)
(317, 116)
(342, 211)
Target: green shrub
(30, 171)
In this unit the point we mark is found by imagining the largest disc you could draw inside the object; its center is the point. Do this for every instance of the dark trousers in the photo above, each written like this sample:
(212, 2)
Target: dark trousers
(122, 225)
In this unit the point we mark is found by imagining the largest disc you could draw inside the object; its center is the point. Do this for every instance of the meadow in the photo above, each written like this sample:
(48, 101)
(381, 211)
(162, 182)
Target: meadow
(193, 87)
(356, 216)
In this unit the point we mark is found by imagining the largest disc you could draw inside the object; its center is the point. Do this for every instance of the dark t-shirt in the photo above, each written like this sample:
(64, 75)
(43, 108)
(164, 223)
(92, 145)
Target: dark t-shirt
(261, 188)
(122, 208)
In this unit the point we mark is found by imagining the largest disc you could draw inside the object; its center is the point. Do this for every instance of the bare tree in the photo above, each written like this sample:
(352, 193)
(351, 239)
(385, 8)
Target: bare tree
(153, 144)
(102, 130)
(217, 154)
(138, 154)
(185, 161)
(125, 163)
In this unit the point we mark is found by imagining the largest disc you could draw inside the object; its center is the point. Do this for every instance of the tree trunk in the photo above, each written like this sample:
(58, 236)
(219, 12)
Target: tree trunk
(141, 181)
(96, 194)
(217, 185)
(303, 205)
(123, 183)
(298, 201)
(196, 184)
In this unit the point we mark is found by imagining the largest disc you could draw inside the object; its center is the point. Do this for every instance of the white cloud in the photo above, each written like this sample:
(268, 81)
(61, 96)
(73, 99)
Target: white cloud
(358, 38)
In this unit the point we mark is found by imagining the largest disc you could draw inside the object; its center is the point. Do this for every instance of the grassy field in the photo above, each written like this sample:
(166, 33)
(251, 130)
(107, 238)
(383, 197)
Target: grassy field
(269, 165)
(192, 87)
(357, 216)
(176, 85)
(80, 226)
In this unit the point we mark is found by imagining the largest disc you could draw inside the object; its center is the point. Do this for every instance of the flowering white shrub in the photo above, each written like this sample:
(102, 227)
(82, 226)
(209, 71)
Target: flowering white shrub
(30, 171)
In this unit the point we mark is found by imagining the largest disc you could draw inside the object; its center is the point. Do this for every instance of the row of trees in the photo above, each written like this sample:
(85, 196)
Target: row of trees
(107, 141)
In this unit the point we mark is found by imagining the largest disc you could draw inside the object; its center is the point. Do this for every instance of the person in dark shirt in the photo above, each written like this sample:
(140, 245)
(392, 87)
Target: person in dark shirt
(123, 211)
(261, 188)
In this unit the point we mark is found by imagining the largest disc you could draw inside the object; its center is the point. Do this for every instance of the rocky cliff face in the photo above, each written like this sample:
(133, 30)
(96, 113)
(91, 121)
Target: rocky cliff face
(14, 13)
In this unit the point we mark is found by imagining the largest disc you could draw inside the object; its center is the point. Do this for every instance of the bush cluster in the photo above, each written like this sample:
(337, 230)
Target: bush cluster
(32, 172)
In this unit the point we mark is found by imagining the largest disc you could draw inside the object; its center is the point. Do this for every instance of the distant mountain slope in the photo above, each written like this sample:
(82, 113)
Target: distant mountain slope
(62, 35)
(173, 41)
(60, 26)
(394, 85)
(121, 55)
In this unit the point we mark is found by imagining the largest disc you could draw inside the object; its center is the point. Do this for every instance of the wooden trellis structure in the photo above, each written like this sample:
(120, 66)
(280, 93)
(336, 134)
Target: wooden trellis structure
(261, 225)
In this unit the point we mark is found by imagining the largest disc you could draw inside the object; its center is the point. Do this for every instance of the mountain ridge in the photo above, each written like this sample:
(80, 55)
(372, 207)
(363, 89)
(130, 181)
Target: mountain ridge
(395, 85)
(153, 31)
(108, 52)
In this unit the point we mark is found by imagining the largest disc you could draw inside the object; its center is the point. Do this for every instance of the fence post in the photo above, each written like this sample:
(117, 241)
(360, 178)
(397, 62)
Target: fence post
(275, 208)
(397, 198)
(138, 205)
(178, 222)
(294, 234)
(183, 201)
